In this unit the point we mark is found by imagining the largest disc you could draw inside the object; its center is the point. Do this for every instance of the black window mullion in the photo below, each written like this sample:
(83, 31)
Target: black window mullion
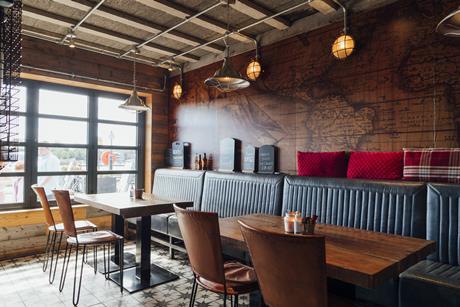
(91, 186)
(140, 157)
(30, 176)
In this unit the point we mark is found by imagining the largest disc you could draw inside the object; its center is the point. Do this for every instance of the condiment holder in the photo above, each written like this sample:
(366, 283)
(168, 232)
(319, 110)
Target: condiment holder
(294, 223)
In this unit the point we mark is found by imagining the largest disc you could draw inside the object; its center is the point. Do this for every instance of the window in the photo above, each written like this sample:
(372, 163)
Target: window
(72, 139)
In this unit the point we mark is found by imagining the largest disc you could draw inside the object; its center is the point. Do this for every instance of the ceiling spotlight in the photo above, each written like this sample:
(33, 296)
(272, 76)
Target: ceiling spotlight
(71, 37)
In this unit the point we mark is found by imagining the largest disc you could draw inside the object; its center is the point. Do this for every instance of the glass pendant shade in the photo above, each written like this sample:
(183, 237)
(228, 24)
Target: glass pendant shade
(254, 69)
(450, 26)
(226, 79)
(177, 91)
(343, 46)
(134, 103)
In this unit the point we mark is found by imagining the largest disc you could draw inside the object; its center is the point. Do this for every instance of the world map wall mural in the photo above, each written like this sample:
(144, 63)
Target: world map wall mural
(307, 100)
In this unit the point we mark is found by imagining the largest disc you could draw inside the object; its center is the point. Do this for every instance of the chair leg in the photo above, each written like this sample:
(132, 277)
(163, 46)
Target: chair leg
(65, 265)
(193, 294)
(105, 261)
(121, 263)
(108, 261)
(171, 249)
(76, 296)
(53, 266)
(95, 258)
(47, 247)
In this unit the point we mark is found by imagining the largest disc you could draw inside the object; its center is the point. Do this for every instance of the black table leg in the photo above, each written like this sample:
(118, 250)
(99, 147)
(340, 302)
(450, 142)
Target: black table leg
(145, 274)
(118, 227)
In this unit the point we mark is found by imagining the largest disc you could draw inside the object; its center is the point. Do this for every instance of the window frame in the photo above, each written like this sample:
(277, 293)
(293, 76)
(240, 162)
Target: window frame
(31, 144)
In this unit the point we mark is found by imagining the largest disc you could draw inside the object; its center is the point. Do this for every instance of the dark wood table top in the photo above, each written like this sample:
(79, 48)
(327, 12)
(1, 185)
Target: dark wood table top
(125, 206)
(360, 257)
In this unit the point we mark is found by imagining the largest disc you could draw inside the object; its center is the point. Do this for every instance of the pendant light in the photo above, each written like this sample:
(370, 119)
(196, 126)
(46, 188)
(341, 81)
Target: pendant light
(177, 88)
(344, 45)
(254, 68)
(134, 103)
(227, 79)
(450, 26)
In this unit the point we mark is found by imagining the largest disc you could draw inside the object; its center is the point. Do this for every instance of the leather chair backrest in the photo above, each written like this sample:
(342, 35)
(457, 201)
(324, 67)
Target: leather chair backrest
(443, 222)
(393, 207)
(201, 234)
(233, 194)
(65, 209)
(291, 269)
(179, 185)
(41, 194)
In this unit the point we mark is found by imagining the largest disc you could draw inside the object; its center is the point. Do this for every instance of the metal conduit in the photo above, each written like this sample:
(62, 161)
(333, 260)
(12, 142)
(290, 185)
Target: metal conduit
(97, 79)
(219, 3)
(90, 12)
(238, 31)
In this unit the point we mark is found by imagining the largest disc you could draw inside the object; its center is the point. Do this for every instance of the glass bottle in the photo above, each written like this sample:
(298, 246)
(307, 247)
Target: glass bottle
(200, 162)
(205, 162)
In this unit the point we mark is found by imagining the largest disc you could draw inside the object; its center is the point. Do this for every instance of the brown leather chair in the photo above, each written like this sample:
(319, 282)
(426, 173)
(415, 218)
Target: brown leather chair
(54, 230)
(291, 269)
(83, 240)
(201, 234)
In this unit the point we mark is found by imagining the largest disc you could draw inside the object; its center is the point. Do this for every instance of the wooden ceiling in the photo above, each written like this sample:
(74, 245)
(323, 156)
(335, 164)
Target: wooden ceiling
(116, 26)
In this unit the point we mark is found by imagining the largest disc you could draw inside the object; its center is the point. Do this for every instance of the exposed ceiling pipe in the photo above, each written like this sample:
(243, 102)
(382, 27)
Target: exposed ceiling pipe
(73, 76)
(83, 45)
(238, 31)
(219, 3)
(345, 26)
(75, 27)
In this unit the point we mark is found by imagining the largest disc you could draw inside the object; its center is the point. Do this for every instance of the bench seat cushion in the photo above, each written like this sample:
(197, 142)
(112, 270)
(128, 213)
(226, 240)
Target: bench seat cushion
(430, 283)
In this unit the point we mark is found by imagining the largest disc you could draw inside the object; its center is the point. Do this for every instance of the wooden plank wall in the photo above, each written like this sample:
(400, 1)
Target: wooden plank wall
(23, 232)
(379, 99)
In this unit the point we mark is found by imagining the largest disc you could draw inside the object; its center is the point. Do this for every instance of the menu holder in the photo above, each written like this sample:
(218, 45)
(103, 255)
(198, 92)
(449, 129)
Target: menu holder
(229, 157)
(268, 159)
(181, 155)
(250, 159)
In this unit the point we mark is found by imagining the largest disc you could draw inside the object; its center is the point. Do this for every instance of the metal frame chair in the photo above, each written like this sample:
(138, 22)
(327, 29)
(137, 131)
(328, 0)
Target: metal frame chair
(83, 241)
(54, 230)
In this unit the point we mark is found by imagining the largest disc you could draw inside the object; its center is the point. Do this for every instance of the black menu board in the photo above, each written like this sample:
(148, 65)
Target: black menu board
(268, 159)
(180, 155)
(250, 159)
(228, 158)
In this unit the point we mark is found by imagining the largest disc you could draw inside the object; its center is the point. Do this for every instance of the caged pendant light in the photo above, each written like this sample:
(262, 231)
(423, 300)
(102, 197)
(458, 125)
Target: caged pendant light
(254, 68)
(134, 103)
(227, 79)
(450, 25)
(344, 45)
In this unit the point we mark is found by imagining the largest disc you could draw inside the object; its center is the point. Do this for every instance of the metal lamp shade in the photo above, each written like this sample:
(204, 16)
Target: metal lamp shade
(450, 26)
(134, 103)
(227, 79)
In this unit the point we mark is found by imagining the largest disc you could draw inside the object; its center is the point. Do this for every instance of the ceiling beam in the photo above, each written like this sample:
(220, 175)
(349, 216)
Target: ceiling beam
(139, 23)
(256, 11)
(63, 21)
(183, 12)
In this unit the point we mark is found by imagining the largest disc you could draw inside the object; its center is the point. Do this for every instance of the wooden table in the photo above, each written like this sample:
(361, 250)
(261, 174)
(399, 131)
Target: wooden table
(362, 258)
(143, 274)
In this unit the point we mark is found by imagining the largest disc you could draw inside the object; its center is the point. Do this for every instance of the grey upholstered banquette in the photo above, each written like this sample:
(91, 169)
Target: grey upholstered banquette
(436, 281)
(395, 207)
(233, 194)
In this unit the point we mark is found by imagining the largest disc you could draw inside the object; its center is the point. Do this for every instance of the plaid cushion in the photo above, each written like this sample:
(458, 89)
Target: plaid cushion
(432, 164)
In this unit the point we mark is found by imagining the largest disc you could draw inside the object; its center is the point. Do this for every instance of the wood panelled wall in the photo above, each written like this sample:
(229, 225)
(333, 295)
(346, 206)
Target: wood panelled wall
(380, 99)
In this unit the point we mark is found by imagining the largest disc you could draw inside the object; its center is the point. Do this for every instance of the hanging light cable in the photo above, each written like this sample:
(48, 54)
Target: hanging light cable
(134, 103)
(227, 79)
(344, 45)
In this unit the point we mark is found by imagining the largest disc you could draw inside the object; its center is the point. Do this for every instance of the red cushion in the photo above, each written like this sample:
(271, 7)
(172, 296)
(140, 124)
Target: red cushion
(432, 164)
(375, 165)
(321, 164)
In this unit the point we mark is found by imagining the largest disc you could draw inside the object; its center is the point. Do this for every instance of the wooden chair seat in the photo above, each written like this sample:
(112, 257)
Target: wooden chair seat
(239, 278)
(96, 237)
(79, 225)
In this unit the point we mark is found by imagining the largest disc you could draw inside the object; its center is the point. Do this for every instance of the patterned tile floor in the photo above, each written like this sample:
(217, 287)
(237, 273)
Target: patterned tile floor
(23, 283)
